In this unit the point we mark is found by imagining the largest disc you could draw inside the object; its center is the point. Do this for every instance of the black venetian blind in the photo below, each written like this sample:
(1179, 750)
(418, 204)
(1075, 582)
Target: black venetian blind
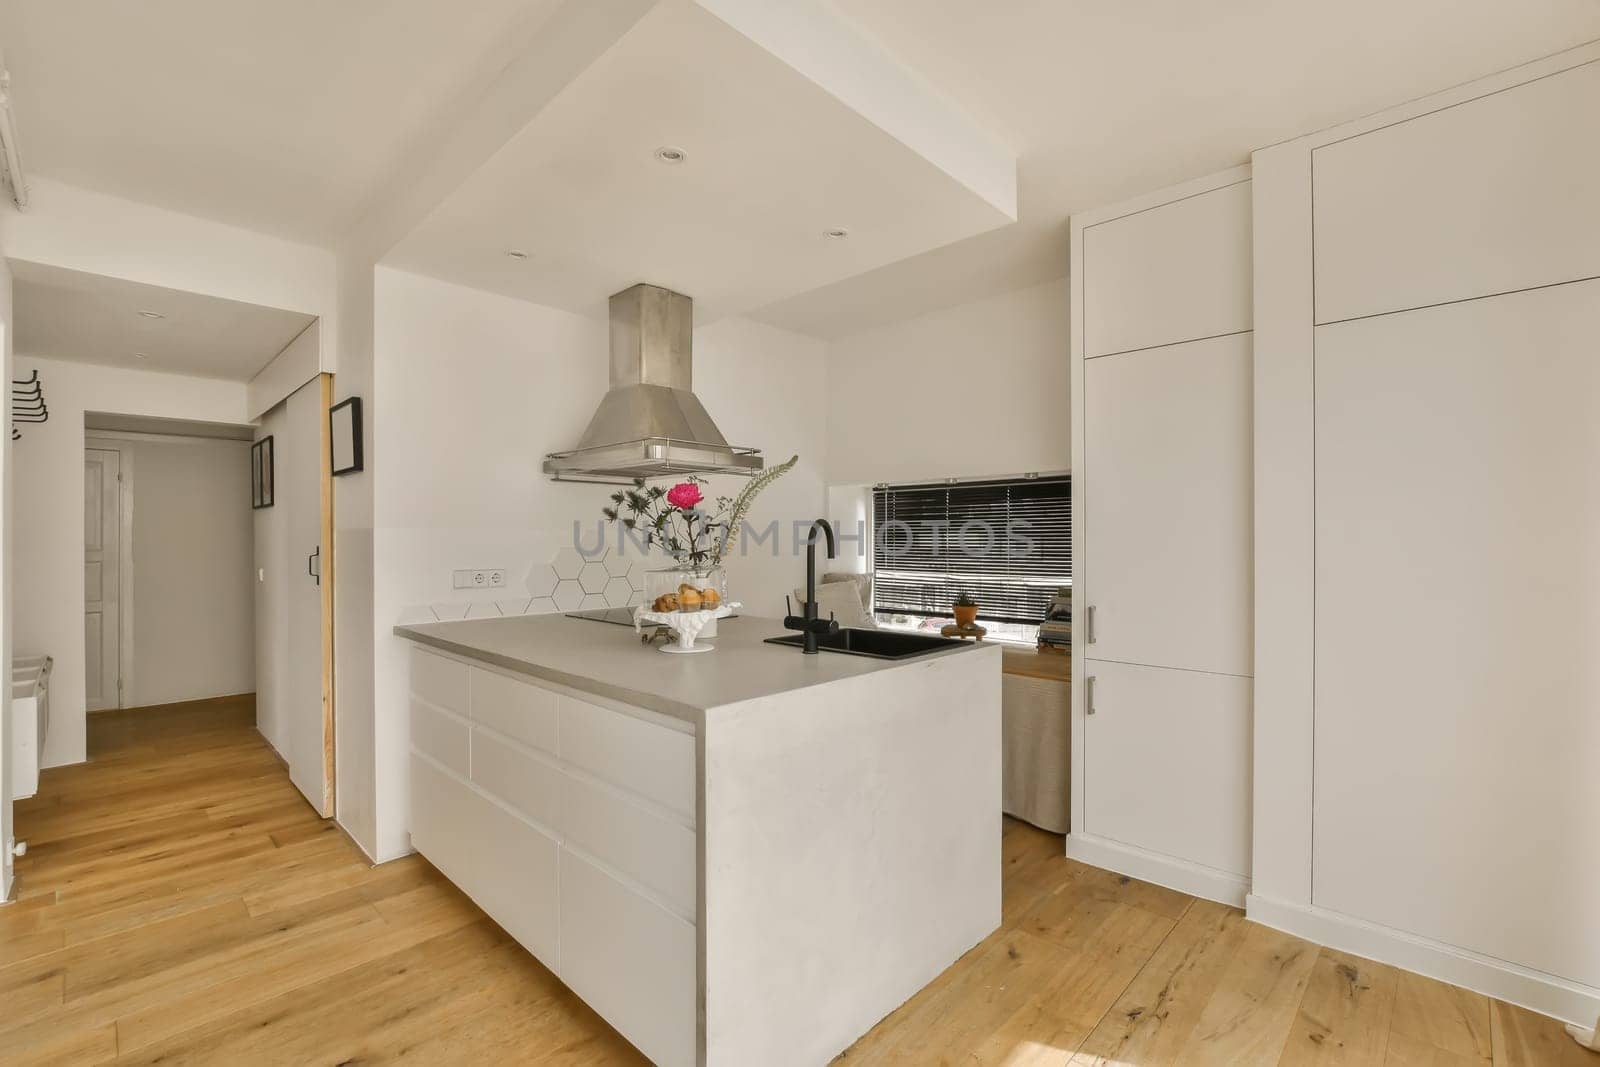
(1006, 543)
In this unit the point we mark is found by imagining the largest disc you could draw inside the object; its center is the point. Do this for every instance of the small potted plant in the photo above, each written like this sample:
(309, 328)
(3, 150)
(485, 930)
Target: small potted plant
(966, 610)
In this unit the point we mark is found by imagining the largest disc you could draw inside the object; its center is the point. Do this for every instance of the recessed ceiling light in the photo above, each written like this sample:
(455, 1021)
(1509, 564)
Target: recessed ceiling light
(140, 355)
(838, 233)
(516, 253)
(668, 154)
(151, 315)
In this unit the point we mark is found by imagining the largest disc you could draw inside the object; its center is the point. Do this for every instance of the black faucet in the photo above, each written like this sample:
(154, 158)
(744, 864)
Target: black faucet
(808, 623)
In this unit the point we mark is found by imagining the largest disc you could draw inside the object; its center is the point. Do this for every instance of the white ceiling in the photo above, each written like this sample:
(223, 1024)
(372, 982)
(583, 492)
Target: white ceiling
(276, 115)
(773, 161)
(1106, 100)
(89, 318)
(288, 116)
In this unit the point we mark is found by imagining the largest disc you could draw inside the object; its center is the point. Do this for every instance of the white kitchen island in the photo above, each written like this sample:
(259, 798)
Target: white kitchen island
(748, 856)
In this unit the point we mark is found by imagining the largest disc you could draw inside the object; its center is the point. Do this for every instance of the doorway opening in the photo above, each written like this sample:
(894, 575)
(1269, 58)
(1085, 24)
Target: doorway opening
(169, 547)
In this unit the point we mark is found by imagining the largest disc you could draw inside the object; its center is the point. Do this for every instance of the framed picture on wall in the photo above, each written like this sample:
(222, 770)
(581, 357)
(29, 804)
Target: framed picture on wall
(344, 422)
(261, 473)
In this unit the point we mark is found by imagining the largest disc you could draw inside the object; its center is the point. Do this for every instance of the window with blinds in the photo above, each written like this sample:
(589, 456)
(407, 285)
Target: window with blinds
(1006, 543)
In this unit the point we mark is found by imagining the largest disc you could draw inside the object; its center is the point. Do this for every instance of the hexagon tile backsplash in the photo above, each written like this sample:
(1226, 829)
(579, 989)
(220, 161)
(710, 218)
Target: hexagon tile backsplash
(605, 578)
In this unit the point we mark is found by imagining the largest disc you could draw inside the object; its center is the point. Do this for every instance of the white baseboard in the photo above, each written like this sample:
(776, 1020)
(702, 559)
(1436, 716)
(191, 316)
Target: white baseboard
(1544, 993)
(1185, 877)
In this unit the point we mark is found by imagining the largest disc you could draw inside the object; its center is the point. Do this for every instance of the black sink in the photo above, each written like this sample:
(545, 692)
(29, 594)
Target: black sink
(878, 644)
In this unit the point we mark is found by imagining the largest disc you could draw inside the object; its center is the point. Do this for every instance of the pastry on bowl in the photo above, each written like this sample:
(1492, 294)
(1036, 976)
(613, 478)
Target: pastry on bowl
(665, 602)
(710, 598)
(690, 598)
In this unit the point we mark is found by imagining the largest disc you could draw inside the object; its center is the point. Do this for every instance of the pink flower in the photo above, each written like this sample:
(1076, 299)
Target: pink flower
(684, 495)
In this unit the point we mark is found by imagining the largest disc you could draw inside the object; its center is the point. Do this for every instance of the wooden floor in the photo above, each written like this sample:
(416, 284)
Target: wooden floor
(180, 903)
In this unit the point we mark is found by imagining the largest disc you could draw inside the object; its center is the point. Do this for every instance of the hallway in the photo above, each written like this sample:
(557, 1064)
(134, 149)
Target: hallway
(180, 902)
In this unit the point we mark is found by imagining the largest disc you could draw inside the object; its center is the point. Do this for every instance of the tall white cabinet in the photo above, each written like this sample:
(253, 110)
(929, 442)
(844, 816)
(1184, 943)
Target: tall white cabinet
(1162, 560)
(1428, 369)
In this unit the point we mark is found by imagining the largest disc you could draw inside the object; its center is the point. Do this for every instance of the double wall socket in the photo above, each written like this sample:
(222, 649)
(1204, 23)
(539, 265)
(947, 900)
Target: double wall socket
(488, 578)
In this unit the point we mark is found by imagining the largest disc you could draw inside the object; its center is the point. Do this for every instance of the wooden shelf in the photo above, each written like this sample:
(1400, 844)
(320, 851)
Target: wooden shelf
(1051, 666)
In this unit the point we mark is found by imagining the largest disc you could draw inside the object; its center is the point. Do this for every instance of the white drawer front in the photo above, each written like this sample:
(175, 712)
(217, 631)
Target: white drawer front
(517, 709)
(523, 781)
(444, 821)
(517, 881)
(655, 762)
(507, 867)
(439, 681)
(441, 736)
(647, 847)
(633, 962)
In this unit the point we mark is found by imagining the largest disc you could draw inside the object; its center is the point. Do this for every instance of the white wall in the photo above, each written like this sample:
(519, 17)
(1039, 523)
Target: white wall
(193, 617)
(474, 390)
(978, 389)
(766, 388)
(355, 735)
(47, 512)
(7, 480)
(66, 226)
(291, 368)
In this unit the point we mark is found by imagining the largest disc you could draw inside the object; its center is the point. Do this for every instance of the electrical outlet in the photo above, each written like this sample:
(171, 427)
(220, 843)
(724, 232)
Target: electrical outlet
(486, 578)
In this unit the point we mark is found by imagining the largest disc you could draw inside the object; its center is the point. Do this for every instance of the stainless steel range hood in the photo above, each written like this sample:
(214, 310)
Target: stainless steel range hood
(650, 424)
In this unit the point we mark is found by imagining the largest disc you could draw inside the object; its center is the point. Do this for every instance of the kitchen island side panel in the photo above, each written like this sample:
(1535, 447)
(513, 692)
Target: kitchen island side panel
(852, 853)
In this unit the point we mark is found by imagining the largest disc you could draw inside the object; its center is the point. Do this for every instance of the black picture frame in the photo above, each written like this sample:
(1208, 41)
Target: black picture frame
(261, 474)
(344, 431)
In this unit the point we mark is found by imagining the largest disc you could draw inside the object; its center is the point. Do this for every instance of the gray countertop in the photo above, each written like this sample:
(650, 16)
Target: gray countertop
(610, 661)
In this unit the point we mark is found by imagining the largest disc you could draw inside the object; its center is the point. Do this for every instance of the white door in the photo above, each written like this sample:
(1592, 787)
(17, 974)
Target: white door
(1457, 689)
(102, 577)
(299, 493)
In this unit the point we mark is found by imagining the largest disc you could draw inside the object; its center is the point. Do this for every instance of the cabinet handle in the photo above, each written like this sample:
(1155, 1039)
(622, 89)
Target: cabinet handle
(1088, 703)
(1088, 625)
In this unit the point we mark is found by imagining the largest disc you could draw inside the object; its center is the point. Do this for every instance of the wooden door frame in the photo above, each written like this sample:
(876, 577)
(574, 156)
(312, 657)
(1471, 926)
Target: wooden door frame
(329, 763)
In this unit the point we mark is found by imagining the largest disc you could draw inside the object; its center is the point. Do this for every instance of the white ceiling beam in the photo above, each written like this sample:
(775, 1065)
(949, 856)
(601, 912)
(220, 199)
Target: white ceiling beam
(822, 45)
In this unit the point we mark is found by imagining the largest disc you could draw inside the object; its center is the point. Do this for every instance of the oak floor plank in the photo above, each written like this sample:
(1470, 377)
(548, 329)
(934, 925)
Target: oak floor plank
(1522, 1038)
(1442, 1016)
(1056, 1017)
(1152, 1022)
(986, 996)
(1345, 1014)
(1407, 1051)
(1250, 1014)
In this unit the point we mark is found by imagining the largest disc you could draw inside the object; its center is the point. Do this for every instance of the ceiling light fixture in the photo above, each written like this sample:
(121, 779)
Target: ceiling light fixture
(516, 253)
(140, 355)
(671, 155)
(838, 233)
(151, 315)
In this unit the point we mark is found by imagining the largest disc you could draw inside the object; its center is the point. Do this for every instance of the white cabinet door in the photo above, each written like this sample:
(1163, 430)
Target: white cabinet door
(1169, 764)
(631, 960)
(1457, 612)
(1490, 196)
(1166, 543)
(1177, 272)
